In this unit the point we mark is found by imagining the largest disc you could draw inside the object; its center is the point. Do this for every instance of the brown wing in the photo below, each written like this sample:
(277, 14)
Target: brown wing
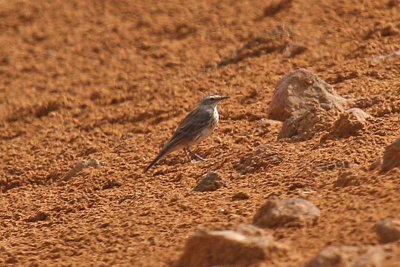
(192, 125)
(189, 129)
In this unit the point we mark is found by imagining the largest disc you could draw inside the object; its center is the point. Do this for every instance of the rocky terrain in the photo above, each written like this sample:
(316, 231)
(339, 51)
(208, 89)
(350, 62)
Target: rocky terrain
(303, 169)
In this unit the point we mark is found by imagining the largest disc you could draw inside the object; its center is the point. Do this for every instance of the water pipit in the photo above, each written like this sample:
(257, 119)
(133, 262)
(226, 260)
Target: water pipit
(193, 129)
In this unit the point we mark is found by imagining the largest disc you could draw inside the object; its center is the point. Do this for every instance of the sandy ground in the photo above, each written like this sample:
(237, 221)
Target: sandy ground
(110, 80)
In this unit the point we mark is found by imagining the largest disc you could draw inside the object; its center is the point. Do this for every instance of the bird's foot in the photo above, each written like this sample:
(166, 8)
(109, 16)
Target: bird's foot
(198, 158)
(193, 157)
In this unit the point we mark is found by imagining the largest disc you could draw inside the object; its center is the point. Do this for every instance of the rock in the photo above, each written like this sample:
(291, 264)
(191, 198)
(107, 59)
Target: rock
(210, 182)
(81, 166)
(294, 49)
(268, 124)
(4, 60)
(373, 257)
(389, 30)
(39, 216)
(240, 196)
(109, 184)
(361, 256)
(376, 164)
(330, 256)
(301, 90)
(304, 124)
(265, 127)
(388, 57)
(276, 7)
(332, 164)
(391, 157)
(292, 211)
(305, 103)
(388, 230)
(347, 178)
(349, 123)
(393, 3)
(263, 158)
(243, 246)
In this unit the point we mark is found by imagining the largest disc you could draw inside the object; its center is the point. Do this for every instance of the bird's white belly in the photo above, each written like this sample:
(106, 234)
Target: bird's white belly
(215, 116)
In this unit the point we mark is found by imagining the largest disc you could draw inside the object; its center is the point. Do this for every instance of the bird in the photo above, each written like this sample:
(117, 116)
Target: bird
(194, 128)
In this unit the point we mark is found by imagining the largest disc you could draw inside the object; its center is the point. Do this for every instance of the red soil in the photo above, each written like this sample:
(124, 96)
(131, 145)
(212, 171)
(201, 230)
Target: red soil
(110, 80)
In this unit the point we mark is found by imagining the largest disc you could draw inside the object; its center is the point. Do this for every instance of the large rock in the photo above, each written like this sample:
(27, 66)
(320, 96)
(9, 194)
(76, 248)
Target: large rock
(293, 211)
(340, 256)
(351, 122)
(243, 246)
(305, 103)
(304, 124)
(391, 157)
(301, 90)
(388, 231)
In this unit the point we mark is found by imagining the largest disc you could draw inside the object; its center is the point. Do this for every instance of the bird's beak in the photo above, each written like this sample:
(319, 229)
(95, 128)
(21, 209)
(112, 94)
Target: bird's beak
(223, 97)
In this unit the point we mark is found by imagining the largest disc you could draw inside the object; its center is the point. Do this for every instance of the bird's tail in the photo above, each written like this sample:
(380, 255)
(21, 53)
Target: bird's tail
(166, 150)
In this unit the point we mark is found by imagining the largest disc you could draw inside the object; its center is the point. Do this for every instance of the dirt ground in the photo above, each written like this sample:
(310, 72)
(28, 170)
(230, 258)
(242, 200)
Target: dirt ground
(110, 80)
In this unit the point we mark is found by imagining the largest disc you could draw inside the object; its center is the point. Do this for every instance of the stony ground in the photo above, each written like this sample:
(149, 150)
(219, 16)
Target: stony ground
(110, 80)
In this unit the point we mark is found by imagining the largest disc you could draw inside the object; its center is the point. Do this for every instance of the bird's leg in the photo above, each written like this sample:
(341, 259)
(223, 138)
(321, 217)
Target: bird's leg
(196, 156)
(187, 154)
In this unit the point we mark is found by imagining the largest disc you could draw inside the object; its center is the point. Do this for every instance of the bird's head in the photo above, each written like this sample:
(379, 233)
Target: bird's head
(212, 100)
